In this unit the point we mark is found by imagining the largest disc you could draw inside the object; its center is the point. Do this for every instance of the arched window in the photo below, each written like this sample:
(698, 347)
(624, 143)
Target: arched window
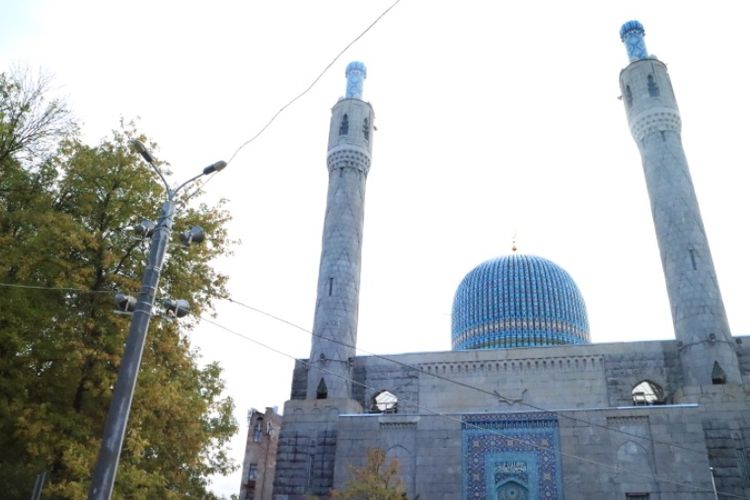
(322, 392)
(653, 90)
(647, 393)
(628, 96)
(366, 129)
(385, 402)
(718, 376)
(344, 127)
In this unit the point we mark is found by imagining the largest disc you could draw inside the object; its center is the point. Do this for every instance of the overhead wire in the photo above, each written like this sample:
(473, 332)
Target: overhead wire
(53, 288)
(493, 394)
(301, 94)
(558, 413)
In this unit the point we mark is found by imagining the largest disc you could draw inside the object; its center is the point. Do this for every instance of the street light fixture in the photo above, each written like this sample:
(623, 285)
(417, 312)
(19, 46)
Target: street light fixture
(105, 470)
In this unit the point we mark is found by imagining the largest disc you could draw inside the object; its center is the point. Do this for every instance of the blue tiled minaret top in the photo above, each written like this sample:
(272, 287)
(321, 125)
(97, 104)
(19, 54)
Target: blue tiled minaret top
(356, 72)
(632, 34)
(518, 301)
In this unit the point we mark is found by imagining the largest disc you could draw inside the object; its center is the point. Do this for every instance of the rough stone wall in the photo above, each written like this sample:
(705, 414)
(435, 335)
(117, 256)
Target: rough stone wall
(636, 362)
(299, 380)
(307, 447)
(427, 447)
(378, 375)
(743, 354)
(657, 450)
(622, 451)
(725, 420)
(592, 383)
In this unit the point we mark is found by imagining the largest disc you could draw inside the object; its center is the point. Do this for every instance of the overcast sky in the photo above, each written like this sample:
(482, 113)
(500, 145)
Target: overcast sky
(494, 119)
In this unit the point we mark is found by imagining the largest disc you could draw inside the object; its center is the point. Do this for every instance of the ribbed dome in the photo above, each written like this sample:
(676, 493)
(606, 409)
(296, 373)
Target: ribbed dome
(518, 301)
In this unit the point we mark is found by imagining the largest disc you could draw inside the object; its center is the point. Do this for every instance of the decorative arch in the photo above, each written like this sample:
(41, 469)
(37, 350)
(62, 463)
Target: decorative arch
(512, 490)
(647, 393)
(718, 376)
(322, 391)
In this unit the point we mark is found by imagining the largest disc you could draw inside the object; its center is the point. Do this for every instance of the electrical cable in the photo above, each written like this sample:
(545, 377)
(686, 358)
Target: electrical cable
(493, 394)
(53, 288)
(301, 94)
(615, 468)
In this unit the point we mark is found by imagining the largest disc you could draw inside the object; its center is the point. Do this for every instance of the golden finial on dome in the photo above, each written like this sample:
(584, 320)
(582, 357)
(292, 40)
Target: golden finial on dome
(514, 247)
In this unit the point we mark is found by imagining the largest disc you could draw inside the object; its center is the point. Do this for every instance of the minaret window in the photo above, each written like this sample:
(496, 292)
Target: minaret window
(344, 127)
(692, 259)
(653, 89)
(366, 129)
(322, 392)
(258, 432)
(628, 96)
(252, 472)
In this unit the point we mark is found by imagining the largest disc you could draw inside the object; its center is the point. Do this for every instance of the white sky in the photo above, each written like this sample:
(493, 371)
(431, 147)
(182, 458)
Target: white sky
(494, 118)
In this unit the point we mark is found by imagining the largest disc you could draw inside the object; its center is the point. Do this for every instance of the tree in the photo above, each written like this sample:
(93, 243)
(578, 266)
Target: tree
(376, 480)
(65, 249)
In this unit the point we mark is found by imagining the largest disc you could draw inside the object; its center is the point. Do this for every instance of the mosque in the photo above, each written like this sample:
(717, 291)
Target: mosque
(524, 406)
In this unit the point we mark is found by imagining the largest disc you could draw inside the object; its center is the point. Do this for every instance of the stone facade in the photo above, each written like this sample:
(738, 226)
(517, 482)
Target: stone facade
(607, 446)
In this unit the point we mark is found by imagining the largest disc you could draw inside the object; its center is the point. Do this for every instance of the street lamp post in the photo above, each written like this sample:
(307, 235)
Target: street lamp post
(105, 471)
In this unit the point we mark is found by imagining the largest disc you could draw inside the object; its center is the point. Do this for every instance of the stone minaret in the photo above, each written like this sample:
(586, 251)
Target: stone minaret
(707, 350)
(336, 308)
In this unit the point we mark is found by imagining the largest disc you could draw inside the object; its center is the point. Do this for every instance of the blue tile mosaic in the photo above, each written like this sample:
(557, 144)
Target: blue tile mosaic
(632, 34)
(518, 301)
(511, 456)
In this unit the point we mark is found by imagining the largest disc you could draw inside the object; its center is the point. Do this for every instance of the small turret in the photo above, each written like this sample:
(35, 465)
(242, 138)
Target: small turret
(632, 34)
(355, 77)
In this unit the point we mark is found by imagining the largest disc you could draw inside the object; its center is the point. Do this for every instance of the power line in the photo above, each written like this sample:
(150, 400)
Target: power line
(615, 468)
(557, 413)
(52, 288)
(315, 80)
(465, 385)
(301, 94)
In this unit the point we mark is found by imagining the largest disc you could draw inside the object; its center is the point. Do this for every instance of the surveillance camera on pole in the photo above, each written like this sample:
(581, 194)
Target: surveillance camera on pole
(145, 228)
(193, 235)
(177, 308)
(102, 482)
(125, 303)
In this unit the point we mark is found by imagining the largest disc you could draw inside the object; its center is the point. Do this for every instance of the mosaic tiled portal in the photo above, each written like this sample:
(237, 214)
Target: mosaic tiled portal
(511, 456)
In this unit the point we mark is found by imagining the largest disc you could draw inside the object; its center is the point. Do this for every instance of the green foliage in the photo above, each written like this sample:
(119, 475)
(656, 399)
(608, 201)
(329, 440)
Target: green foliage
(65, 214)
(376, 480)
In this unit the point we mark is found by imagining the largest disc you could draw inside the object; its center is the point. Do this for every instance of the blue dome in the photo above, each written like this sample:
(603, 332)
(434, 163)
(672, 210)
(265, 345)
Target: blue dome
(518, 301)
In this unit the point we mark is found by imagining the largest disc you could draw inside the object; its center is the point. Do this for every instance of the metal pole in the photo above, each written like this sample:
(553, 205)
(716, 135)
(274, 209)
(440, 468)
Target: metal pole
(117, 419)
(38, 486)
